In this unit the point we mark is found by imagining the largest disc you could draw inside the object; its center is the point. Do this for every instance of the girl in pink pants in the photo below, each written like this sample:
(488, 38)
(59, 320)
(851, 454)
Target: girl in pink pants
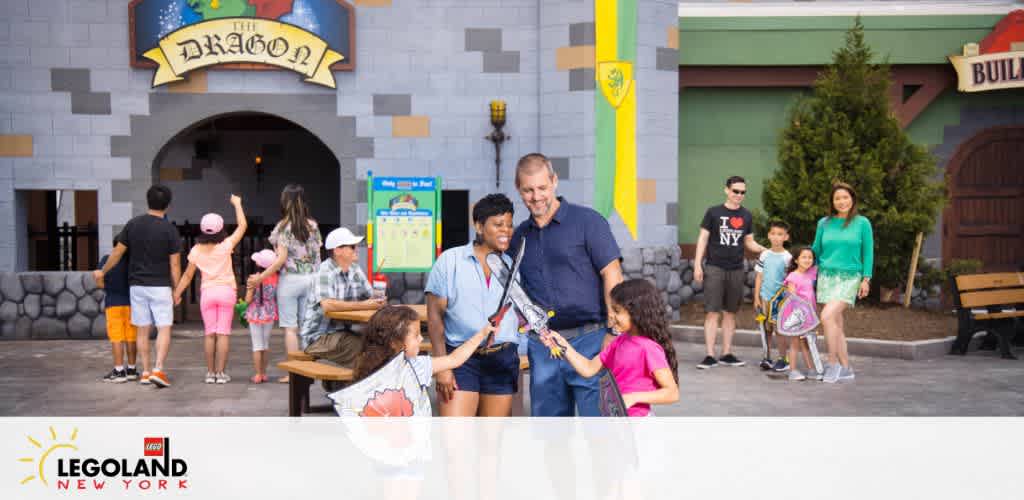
(212, 255)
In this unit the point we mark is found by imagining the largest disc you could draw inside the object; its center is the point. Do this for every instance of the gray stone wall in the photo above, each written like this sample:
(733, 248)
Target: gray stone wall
(416, 104)
(51, 305)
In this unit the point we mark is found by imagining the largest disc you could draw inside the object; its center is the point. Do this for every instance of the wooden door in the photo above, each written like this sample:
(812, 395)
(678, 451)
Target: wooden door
(985, 217)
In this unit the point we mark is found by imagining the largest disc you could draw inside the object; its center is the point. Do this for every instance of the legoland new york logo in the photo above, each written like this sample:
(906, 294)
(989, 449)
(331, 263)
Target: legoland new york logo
(156, 471)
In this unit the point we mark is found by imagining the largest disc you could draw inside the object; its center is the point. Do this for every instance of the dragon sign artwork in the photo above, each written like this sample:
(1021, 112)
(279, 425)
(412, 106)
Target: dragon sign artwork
(310, 37)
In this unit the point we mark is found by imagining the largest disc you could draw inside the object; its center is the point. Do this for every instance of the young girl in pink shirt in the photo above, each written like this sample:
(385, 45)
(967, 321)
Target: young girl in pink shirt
(641, 358)
(212, 255)
(800, 281)
(261, 314)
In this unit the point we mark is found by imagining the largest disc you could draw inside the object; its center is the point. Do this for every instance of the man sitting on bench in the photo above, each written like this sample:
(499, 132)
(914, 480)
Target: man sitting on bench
(339, 285)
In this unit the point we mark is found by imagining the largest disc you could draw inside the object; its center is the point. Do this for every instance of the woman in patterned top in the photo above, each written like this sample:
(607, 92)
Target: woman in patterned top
(297, 242)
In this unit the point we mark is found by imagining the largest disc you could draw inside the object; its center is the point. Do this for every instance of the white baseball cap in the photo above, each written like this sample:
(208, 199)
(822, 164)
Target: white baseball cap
(341, 237)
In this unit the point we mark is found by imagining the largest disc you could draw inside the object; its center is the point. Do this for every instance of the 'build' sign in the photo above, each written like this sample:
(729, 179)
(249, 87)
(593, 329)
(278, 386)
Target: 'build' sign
(995, 63)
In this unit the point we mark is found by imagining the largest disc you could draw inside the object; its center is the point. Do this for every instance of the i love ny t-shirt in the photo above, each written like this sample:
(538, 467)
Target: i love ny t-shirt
(728, 228)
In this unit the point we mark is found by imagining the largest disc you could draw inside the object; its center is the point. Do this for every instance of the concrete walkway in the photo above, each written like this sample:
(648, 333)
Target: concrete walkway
(63, 378)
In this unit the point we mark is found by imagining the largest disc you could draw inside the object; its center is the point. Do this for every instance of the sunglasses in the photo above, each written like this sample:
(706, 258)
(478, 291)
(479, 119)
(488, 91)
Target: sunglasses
(737, 191)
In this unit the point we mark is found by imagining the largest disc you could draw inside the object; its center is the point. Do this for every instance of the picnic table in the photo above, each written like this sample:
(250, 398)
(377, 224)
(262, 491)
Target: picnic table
(364, 315)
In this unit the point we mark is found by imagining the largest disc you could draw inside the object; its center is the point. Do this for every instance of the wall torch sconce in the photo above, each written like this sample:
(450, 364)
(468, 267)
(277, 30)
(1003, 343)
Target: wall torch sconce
(498, 137)
(258, 163)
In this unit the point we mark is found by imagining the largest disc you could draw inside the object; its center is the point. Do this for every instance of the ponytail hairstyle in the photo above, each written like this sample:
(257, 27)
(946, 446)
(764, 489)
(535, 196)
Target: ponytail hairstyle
(647, 312)
(385, 337)
(295, 212)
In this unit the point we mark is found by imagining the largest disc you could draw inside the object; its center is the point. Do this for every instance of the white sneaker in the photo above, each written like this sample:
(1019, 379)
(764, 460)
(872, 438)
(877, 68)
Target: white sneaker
(832, 374)
(223, 378)
(210, 378)
(796, 376)
(846, 373)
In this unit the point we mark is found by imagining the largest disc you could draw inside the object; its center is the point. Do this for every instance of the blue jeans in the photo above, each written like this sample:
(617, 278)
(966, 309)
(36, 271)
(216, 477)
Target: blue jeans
(555, 387)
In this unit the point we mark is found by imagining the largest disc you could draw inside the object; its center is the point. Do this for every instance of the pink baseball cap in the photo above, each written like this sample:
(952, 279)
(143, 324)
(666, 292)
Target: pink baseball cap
(211, 224)
(264, 258)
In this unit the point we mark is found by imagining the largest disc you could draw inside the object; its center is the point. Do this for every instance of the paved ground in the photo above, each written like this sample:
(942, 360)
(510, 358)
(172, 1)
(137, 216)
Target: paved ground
(62, 378)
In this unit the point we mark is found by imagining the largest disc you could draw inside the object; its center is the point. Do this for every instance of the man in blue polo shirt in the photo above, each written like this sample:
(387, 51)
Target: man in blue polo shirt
(571, 265)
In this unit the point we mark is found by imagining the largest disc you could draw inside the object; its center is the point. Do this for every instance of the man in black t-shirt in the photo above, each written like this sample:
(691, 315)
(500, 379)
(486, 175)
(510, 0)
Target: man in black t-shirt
(154, 267)
(724, 233)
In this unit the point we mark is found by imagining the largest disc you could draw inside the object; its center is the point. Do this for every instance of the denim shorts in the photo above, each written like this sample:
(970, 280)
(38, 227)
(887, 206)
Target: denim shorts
(151, 305)
(292, 293)
(493, 373)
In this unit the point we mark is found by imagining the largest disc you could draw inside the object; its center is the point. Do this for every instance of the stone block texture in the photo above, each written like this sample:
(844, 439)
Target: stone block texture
(94, 123)
(50, 305)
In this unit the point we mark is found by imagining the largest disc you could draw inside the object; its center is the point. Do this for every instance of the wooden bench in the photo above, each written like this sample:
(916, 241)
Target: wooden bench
(993, 302)
(301, 375)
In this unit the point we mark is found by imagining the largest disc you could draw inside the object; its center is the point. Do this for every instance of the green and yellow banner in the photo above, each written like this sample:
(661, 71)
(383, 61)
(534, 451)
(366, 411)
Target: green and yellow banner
(615, 110)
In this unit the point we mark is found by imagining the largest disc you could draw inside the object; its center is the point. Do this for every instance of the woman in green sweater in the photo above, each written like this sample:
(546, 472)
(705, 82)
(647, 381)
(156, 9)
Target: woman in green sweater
(844, 245)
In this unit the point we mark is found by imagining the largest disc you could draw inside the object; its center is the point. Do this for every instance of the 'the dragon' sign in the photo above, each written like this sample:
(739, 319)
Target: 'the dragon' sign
(310, 37)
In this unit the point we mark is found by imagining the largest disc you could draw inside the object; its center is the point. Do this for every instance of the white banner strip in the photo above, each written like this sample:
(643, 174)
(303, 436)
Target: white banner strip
(535, 458)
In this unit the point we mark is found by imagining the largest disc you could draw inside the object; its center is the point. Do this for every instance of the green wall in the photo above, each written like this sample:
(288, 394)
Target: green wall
(733, 131)
(767, 41)
(945, 110)
(724, 132)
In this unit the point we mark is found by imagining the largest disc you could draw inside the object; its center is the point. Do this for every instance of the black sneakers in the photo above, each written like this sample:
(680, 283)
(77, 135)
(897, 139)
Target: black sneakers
(709, 362)
(766, 364)
(781, 365)
(731, 360)
(131, 373)
(116, 376)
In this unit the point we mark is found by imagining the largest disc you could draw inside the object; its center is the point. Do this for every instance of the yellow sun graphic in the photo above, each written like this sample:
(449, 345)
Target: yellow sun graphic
(46, 453)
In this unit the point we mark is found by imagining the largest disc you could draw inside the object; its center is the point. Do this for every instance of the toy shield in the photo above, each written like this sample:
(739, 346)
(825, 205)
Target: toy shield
(610, 402)
(392, 391)
(795, 317)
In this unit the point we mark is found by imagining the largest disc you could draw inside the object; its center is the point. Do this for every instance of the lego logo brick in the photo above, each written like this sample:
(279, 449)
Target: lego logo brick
(153, 447)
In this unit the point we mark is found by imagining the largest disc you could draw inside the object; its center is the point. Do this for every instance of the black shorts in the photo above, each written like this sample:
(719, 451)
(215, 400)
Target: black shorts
(493, 373)
(723, 290)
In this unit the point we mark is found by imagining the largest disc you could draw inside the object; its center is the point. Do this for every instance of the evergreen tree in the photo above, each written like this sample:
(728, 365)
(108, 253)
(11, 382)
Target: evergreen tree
(845, 132)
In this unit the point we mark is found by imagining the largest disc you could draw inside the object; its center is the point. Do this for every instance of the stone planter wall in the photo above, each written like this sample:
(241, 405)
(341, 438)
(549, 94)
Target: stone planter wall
(61, 305)
(51, 305)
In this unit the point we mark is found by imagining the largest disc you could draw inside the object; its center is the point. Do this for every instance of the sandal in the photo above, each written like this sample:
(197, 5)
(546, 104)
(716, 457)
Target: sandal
(263, 378)
(256, 379)
(283, 380)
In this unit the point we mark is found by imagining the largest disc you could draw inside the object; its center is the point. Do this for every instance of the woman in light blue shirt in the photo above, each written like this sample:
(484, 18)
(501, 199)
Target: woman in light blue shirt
(461, 295)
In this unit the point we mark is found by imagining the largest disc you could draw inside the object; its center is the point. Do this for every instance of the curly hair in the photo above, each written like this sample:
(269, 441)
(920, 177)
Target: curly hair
(647, 312)
(384, 338)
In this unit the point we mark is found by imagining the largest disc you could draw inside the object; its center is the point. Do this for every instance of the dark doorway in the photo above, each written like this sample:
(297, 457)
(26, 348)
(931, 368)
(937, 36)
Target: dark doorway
(62, 232)
(253, 155)
(454, 218)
